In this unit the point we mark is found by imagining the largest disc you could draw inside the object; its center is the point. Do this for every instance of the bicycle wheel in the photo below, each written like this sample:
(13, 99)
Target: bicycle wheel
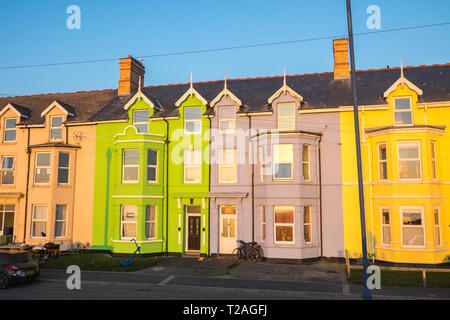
(260, 254)
(236, 256)
(252, 255)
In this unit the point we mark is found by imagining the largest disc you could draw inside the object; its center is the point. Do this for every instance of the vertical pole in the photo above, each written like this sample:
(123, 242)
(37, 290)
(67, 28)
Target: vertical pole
(366, 295)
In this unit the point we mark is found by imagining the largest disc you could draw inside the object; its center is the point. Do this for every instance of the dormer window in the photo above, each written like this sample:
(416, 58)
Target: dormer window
(140, 120)
(286, 116)
(56, 124)
(193, 120)
(10, 130)
(402, 111)
(227, 119)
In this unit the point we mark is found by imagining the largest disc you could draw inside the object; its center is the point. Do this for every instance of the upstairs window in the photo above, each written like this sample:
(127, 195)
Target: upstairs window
(140, 120)
(42, 168)
(286, 116)
(10, 130)
(402, 111)
(56, 125)
(433, 161)
(130, 166)
(409, 161)
(306, 162)
(63, 168)
(227, 121)
(227, 166)
(283, 155)
(7, 171)
(152, 165)
(193, 120)
(382, 161)
(192, 166)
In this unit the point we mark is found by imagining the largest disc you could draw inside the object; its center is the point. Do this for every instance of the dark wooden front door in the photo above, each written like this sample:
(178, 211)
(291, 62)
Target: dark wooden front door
(193, 233)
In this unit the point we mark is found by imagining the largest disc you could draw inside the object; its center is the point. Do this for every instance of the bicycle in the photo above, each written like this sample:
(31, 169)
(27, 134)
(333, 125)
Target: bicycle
(250, 251)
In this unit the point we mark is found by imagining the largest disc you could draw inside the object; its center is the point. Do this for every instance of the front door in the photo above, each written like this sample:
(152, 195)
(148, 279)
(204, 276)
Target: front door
(227, 229)
(193, 228)
(7, 219)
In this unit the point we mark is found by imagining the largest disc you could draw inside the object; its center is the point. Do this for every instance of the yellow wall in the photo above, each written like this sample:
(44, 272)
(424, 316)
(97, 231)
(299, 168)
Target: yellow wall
(77, 195)
(394, 193)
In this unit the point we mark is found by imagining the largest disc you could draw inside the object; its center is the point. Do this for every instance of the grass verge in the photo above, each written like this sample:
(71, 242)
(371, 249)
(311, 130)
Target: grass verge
(100, 262)
(406, 278)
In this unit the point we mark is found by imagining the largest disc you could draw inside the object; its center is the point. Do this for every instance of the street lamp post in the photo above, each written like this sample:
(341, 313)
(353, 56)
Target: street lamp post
(366, 295)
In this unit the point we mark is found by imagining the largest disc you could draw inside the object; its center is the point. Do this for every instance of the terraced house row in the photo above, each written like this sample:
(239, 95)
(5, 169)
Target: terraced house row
(191, 168)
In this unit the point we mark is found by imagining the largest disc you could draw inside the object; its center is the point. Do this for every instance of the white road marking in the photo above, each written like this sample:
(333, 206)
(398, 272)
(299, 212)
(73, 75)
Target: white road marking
(167, 280)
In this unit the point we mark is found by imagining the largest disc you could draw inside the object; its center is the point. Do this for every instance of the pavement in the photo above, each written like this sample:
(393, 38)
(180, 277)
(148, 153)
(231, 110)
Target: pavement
(214, 279)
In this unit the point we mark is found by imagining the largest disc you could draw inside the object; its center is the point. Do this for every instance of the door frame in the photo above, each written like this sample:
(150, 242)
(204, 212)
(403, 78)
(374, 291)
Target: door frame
(186, 247)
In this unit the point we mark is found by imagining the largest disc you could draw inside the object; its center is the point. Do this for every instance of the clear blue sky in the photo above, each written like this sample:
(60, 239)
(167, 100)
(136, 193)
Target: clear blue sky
(35, 32)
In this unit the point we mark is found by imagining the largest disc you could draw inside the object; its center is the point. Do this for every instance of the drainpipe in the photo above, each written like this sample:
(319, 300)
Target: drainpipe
(209, 190)
(28, 181)
(167, 142)
(320, 195)
(253, 176)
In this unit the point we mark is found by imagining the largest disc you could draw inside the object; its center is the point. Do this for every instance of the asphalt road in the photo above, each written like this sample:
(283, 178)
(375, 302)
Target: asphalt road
(137, 286)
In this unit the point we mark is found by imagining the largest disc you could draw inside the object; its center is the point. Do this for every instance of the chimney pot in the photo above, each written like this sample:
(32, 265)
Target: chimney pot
(341, 63)
(130, 71)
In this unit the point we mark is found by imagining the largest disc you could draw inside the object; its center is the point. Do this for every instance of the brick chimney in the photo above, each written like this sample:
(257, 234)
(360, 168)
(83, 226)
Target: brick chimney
(130, 71)
(341, 64)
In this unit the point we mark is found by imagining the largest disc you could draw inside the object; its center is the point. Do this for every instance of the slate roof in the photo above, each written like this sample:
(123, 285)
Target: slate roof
(318, 91)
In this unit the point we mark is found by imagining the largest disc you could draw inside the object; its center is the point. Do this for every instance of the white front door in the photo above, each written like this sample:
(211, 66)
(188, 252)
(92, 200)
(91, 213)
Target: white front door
(228, 229)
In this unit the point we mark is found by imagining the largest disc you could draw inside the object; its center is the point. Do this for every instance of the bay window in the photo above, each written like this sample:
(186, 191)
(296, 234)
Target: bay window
(283, 155)
(63, 168)
(39, 222)
(42, 168)
(284, 224)
(307, 224)
(306, 161)
(382, 161)
(129, 222)
(150, 222)
(385, 226)
(152, 165)
(409, 160)
(412, 227)
(130, 166)
(60, 220)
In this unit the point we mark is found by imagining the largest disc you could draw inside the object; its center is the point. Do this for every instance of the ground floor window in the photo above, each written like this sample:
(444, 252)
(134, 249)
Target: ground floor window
(263, 224)
(39, 222)
(60, 220)
(437, 229)
(284, 224)
(7, 219)
(150, 222)
(307, 224)
(129, 222)
(386, 226)
(412, 227)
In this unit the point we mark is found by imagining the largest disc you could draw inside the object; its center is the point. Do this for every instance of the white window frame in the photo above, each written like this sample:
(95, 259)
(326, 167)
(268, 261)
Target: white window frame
(383, 225)
(193, 120)
(382, 161)
(192, 165)
(3, 213)
(231, 120)
(55, 128)
(307, 162)
(437, 227)
(309, 224)
(433, 160)
(419, 151)
(122, 223)
(221, 165)
(10, 129)
(68, 169)
(404, 111)
(153, 166)
(130, 166)
(421, 209)
(275, 163)
(64, 221)
(291, 117)
(39, 220)
(36, 167)
(151, 221)
(140, 123)
(275, 225)
(6, 170)
(263, 223)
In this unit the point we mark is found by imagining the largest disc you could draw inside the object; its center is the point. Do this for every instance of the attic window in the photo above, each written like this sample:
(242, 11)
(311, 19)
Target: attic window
(286, 116)
(10, 129)
(56, 128)
(141, 120)
(402, 111)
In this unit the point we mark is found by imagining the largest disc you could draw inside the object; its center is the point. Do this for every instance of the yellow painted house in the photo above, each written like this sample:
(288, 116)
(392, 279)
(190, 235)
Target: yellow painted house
(405, 143)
